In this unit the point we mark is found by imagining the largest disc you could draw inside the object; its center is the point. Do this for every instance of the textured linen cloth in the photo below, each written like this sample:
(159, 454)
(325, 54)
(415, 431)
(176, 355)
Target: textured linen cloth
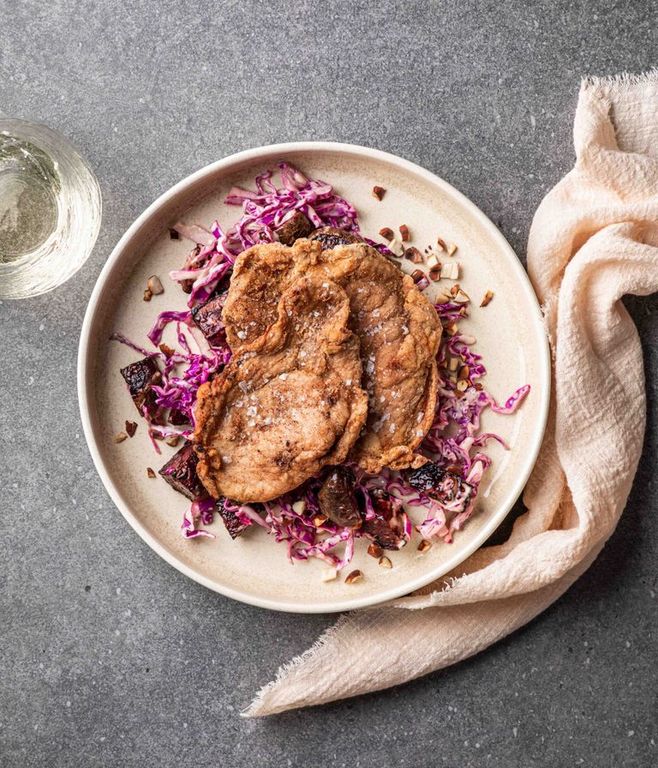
(593, 239)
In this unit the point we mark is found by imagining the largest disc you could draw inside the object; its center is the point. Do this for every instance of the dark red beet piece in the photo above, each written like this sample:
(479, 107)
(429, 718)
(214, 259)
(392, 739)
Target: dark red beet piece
(330, 237)
(177, 417)
(297, 226)
(426, 478)
(233, 524)
(337, 500)
(139, 377)
(439, 484)
(385, 528)
(208, 318)
(180, 473)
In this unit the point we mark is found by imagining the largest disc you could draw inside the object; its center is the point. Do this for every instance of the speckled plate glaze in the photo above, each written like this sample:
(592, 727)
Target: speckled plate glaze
(509, 331)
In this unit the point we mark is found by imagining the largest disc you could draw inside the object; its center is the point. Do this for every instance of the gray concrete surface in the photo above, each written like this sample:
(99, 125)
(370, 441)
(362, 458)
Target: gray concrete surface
(109, 657)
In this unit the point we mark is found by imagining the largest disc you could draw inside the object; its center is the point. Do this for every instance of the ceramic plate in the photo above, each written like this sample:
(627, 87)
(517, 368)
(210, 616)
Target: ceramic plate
(509, 332)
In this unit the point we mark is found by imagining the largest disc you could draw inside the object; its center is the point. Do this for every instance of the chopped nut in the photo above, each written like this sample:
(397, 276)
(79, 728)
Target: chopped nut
(378, 192)
(396, 247)
(329, 574)
(424, 546)
(319, 520)
(453, 364)
(166, 350)
(404, 233)
(452, 249)
(131, 428)
(414, 255)
(172, 440)
(387, 233)
(417, 275)
(147, 295)
(154, 285)
(385, 562)
(451, 329)
(433, 261)
(435, 273)
(299, 506)
(464, 372)
(487, 298)
(461, 297)
(374, 550)
(150, 473)
(293, 228)
(462, 385)
(174, 235)
(353, 577)
(442, 244)
(450, 271)
(120, 437)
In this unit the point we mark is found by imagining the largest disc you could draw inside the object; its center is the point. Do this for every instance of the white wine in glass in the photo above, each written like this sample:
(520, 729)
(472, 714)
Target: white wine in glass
(50, 209)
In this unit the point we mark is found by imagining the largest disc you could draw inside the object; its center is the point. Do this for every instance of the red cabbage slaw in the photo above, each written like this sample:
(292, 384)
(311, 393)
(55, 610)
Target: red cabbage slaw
(454, 441)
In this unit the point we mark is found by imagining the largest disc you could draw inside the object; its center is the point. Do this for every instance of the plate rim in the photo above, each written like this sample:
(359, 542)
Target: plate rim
(266, 152)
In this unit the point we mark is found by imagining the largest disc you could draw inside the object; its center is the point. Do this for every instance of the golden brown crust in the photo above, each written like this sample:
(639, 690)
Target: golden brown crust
(398, 329)
(400, 333)
(260, 276)
(280, 412)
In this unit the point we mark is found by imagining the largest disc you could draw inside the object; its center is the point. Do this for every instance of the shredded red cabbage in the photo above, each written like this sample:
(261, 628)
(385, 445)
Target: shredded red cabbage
(201, 512)
(263, 211)
(453, 442)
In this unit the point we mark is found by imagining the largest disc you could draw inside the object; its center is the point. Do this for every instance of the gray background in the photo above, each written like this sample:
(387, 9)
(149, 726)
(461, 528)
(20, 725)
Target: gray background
(109, 657)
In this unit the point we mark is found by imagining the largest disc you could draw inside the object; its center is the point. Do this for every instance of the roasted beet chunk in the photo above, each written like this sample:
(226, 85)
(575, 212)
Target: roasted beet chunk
(438, 484)
(233, 524)
(295, 227)
(139, 377)
(208, 318)
(426, 478)
(177, 417)
(330, 237)
(180, 473)
(387, 527)
(337, 500)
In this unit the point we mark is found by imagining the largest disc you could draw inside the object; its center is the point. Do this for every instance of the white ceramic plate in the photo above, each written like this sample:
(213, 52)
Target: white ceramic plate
(509, 331)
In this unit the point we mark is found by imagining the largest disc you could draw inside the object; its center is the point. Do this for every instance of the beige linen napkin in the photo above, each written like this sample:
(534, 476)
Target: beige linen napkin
(593, 239)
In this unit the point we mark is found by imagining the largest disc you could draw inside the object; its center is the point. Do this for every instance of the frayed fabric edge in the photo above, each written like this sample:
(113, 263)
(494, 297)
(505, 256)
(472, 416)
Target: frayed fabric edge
(622, 80)
(285, 669)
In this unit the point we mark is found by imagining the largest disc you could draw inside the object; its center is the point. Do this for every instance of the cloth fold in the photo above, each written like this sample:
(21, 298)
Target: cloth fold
(593, 240)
